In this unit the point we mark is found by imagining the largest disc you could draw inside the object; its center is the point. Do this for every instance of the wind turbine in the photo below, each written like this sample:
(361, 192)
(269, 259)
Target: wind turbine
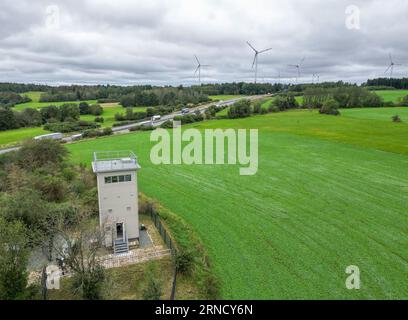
(315, 76)
(298, 67)
(199, 66)
(255, 62)
(391, 66)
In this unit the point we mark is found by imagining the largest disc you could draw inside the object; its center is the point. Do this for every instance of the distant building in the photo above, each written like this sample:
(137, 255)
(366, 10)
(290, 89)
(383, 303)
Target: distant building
(118, 197)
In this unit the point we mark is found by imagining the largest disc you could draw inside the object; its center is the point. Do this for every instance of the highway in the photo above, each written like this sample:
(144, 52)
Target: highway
(163, 119)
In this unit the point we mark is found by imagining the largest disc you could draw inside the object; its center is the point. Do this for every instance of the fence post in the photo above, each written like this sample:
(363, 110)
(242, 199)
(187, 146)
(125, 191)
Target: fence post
(173, 287)
(44, 283)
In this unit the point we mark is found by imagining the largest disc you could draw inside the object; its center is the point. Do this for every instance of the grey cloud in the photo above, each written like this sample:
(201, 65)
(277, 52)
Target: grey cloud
(125, 41)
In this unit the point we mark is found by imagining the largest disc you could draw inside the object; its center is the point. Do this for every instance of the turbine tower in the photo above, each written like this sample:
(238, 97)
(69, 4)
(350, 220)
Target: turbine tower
(255, 62)
(199, 66)
(391, 66)
(315, 76)
(298, 67)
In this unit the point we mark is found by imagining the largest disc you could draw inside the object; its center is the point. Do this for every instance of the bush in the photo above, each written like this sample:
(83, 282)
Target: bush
(99, 119)
(273, 108)
(396, 118)
(404, 101)
(107, 131)
(285, 102)
(89, 134)
(330, 107)
(168, 124)
(70, 126)
(184, 261)
(240, 109)
(257, 108)
(95, 110)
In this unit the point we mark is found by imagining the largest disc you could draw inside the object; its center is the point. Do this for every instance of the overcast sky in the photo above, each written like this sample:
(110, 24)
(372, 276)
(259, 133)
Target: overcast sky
(134, 41)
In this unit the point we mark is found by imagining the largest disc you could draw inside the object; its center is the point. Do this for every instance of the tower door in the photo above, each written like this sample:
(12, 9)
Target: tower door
(119, 231)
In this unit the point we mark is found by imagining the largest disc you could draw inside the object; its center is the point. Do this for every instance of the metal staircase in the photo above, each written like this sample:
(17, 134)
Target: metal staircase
(121, 246)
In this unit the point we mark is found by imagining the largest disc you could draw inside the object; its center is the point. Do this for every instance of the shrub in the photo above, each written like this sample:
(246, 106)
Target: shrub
(107, 131)
(330, 107)
(168, 124)
(70, 126)
(404, 101)
(89, 134)
(95, 110)
(273, 108)
(257, 108)
(396, 118)
(184, 261)
(99, 119)
(240, 109)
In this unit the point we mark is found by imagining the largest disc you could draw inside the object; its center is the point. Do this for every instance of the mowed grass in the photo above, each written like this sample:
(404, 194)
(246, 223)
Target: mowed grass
(330, 192)
(384, 114)
(392, 95)
(9, 138)
(224, 97)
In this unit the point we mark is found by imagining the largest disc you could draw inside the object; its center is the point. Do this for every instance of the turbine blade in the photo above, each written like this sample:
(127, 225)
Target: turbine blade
(255, 56)
(252, 47)
(198, 61)
(265, 50)
(390, 58)
(198, 68)
(389, 67)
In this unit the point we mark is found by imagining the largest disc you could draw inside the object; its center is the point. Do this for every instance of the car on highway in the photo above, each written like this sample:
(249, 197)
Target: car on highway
(185, 110)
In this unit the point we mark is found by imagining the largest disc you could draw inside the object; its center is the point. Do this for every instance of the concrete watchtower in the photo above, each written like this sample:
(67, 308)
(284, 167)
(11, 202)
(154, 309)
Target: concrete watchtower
(116, 173)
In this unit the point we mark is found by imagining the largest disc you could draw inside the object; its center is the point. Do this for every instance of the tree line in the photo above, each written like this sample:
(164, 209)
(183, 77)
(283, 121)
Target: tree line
(64, 117)
(387, 83)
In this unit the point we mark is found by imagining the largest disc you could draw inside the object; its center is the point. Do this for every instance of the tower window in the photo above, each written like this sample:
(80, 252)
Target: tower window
(114, 179)
(108, 179)
(128, 178)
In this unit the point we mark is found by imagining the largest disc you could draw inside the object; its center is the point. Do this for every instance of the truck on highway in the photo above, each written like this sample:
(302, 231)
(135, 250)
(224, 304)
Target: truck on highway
(156, 117)
(53, 136)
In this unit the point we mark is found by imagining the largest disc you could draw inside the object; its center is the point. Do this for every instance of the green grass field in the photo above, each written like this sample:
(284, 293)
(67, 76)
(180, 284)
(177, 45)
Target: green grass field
(330, 192)
(224, 97)
(392, 95)
(9, 138)
(375, 114)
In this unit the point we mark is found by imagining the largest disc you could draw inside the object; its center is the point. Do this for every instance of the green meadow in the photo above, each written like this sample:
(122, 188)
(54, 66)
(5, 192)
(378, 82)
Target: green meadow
(329, 192)
(224, 97)
(392, 95)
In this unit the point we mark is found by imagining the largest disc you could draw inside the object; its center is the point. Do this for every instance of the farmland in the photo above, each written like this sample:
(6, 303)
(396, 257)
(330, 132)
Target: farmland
(330, 192)
(392, 95)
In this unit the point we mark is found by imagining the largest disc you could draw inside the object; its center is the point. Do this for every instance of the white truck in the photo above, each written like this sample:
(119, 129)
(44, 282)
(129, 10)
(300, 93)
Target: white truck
(52, 136)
